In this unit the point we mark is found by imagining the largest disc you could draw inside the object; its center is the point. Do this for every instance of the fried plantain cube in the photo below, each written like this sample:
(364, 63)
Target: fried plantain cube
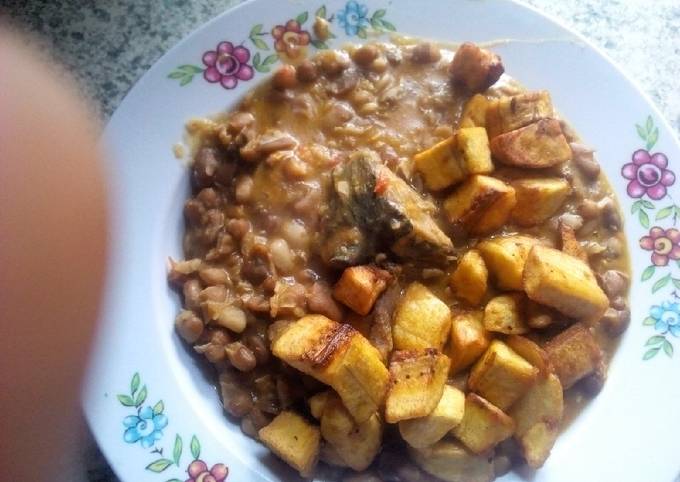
(509, 113)
(417, 381)
(294, 439)
(469, 340)
(481, 205)
(570, 244)
(563, 282)
(538, 199)
(424, 431)
(537, 416)
(535, 146)
(339, 356)
(531, 352)
(317, 403)
(483, 426)
(421, 320)
(357, 444)
(573, 354)
(475, 69)
(469, 280)
(505, 314)
(452, 160)
(473, 150)
(474, 112)
(505, 257)
(360, 286)
(452, 462)
(439, 165)
(501, 375)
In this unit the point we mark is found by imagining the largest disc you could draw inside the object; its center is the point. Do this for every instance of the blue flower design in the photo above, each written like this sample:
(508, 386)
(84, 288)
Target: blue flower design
(667, 318)
(147, 427)
(353, 17)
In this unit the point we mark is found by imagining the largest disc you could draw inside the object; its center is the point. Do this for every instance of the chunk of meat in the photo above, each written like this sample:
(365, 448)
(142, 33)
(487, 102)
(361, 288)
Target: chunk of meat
(380, 334)
(369, 208)
(320, 300)
(474, 68)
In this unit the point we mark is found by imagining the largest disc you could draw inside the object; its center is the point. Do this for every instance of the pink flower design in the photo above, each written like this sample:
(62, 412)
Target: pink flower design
(227, 65)
(648, 175)
(664, 243)
(290, 38)
(198, 472)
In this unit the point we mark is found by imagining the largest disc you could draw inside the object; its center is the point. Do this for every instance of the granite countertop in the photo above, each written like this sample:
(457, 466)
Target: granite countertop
(109, 45)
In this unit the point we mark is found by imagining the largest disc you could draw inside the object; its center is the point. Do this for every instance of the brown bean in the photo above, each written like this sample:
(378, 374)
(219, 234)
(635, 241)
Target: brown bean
(284, 78)
(259, 348)
(258, 418)
(191, 291)
(189, 326)
(238, 227)
(307, 71)
(213, 352)
(615, 322)
(425, 53)
(619, 303)
(365, 54)
(248, 428)
(205, 166)
(240, 356)
(214, 276)
(611, 217)
(613, 282)
(193, 211)
(379, 65)
(589, 209)
(244, 189)
(584, 159)
(239, 121)
(320, 300)
(501, 465)
(239, 404)
(332, 62)
(213, 293)
(209, 197)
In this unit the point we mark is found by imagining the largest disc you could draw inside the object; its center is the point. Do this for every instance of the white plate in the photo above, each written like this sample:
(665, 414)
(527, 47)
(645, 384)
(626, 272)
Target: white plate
(628, 433)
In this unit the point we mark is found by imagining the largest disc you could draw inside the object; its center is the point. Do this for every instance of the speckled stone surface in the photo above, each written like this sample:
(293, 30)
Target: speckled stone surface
(109, 45)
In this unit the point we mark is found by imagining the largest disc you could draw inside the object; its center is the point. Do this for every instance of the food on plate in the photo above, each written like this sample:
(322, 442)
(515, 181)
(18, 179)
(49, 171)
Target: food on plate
(388, 263)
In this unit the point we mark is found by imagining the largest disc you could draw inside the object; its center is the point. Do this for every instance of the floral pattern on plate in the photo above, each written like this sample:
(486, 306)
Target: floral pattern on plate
(286, 41)
(650, 177)
(146, 427)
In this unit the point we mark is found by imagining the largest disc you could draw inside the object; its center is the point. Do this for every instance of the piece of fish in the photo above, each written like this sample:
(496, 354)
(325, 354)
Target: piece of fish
(370, 209)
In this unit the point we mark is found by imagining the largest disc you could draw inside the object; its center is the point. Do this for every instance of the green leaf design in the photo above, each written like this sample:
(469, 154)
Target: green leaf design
(195, 447)
(159, 465)
(259, 43)
(321, 12)
(647, 204)
(141, 396)
(651, 353)
(319, 44)
(678, 263)
(186, 80)
(191, 69)
(641, 132)
(361, 33)
(176, 75)
(379, 13)
(388, 26)
(649, 124)
(376, 24)
(637, 205)
(256, 30)
(257, 63)
(665, 212)
(158, 408)
(676, 283)
(668, 348)
(644, 218)
(134, 384)
(655, 340)
(173, 480)
(126, 400)
(302, 18)
(652, 138)
(661, 283)
(648, 272)
(270, 59)
(648, 321)
(177, 449)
